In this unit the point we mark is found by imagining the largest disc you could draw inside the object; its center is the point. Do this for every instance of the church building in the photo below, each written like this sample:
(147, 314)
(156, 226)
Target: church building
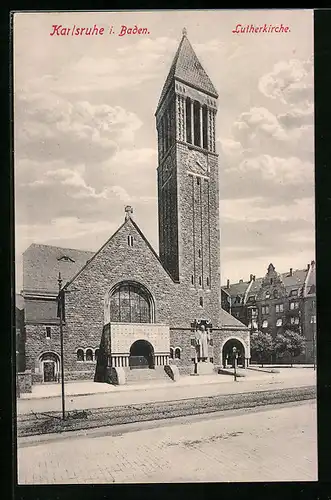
(124, 306)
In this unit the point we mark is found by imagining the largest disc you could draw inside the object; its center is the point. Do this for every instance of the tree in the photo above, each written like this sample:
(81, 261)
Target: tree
(261, 345)
(291, 343)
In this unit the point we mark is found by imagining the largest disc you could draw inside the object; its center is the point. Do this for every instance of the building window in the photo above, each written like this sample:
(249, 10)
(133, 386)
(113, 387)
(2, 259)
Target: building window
(130, 241)
(196, 123)
(200, 280)
(130, 303)
(193, 342)
(207, 281)
(265, 324)
(294, 320)
(313, 318)
(211, 342)
(267, 295)
(192, 279)
(251, 298)
(48, 332)
(201, 301)
(294, 293)
(198, 181)
(171, 353)
(177, 353)
(294, 305)
(238, 299)
(188, 121)
(204, 127)
(279, 308)
(199, 253)
(275, 294)
(265, 309)
(96, 354)
(271, 281)
(89, 355)
(80, 355)
(279, 322)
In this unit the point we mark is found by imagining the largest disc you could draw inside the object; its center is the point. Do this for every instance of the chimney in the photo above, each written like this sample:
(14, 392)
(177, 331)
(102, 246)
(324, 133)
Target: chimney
(250, 277)
(254, 277)
(241, 281)
(228, 284)
(291, 271)
(308, 267)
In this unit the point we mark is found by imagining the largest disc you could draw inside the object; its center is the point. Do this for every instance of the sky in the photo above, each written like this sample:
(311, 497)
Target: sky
(85, 137)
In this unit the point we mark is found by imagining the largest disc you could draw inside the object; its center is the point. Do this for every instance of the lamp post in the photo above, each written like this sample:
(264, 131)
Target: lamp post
(235, 356)
(61, 341)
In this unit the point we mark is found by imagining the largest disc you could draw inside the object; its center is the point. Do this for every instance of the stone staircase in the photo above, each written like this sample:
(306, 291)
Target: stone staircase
(147, 376)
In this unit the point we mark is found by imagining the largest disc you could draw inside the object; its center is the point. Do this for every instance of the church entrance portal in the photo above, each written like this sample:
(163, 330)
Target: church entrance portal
(141, 355)
(227, 353)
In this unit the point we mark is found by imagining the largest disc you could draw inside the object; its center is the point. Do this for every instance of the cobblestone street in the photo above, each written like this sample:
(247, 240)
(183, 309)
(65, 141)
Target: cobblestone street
(270, 444)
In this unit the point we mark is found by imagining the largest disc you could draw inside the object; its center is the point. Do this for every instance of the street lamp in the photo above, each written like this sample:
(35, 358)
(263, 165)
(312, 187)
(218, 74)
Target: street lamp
(235, 356)
(61, 341)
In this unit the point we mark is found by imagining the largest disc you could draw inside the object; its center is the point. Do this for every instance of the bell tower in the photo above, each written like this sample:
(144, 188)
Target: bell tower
(188, 190)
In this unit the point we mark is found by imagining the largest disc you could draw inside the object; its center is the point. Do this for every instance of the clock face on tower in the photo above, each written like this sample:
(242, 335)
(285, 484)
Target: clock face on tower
(197, 162)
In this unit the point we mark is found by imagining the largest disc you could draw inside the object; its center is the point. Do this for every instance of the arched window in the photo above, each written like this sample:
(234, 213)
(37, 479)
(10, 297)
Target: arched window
(80, 355)
(96, 354)
(205, 127)
(171, 353)
(265, 324)
(89, 355)
(276, 294)
(130, 303)
(201, 301)
(196, 123)
(188, 121)
(177, 353)
(279, 322)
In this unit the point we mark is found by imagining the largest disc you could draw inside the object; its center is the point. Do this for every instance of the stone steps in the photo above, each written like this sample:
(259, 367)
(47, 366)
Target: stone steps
(139, 376)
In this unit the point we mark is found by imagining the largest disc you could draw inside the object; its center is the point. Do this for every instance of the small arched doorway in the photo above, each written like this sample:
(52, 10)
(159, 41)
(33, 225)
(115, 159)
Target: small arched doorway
(227, 353)
(141, 355)
(50, 367)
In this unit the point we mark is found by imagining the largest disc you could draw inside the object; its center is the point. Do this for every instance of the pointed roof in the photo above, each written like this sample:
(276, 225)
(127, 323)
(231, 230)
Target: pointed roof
(128, 220)
(187, 68)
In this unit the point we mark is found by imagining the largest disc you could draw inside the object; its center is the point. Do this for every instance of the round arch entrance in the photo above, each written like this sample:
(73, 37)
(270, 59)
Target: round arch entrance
(141, 355)
(50, 367)
(227, 353)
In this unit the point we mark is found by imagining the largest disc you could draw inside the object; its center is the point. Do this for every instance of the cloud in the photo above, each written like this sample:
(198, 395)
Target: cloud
(255, 209)
(290, 81)
(47, 126)
(291, 171)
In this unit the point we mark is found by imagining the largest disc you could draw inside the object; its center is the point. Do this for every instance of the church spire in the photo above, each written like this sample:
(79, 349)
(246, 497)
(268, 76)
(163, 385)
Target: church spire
(186, 68)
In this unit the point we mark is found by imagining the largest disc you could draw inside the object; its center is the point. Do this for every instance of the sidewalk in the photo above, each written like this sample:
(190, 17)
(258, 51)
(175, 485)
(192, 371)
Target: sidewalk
(186, 388)
(88, 387)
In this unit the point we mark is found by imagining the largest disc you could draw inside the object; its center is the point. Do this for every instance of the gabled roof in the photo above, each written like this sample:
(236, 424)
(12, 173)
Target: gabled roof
(237, 289)
(129, 220)
(42, 264)
(291, 281)
(187, 68)
(228, 320)
(296, 280)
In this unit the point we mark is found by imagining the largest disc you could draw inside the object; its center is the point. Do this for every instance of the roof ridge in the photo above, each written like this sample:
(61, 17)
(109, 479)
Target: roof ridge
(55, 246)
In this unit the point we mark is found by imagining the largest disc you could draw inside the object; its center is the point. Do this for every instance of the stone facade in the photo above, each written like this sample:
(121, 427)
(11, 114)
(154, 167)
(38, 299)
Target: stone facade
(280, 302)
(169, 292)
